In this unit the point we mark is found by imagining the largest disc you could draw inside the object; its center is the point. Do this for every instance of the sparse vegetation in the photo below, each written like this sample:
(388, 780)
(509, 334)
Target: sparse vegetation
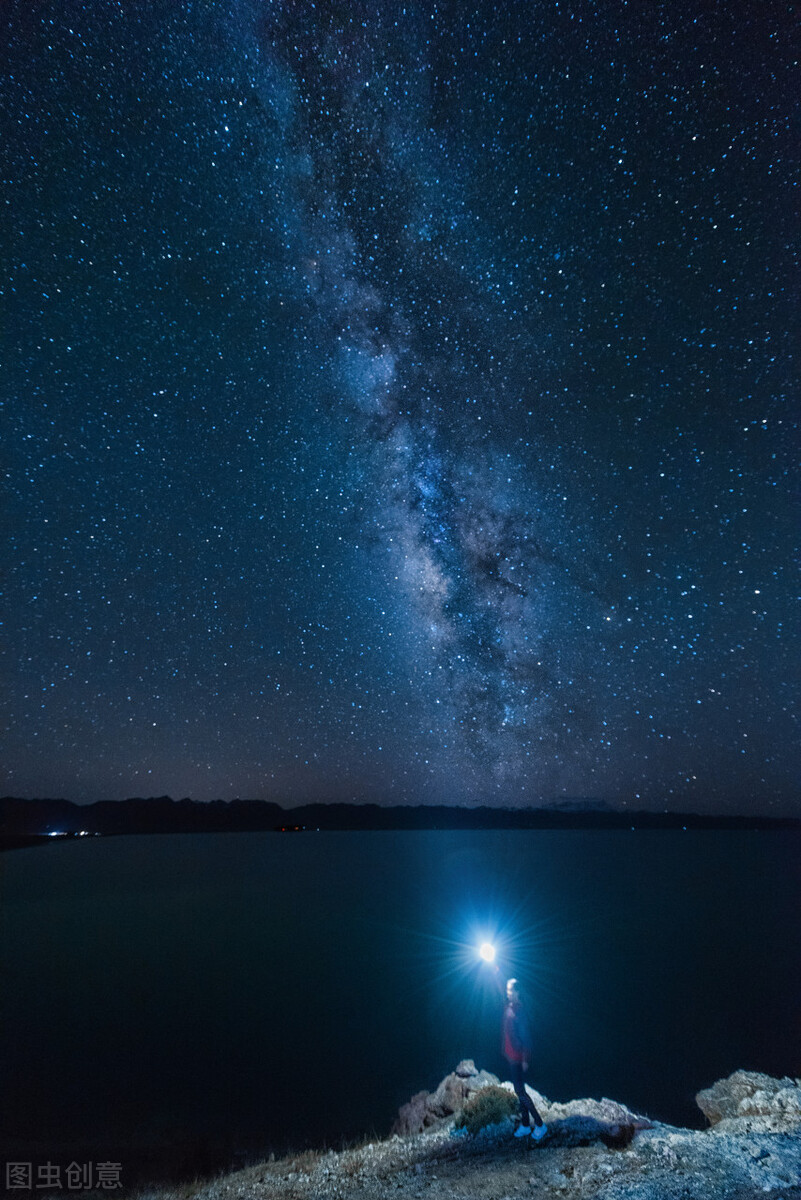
(352, 1163)
(489, 1106)
(306, 1160)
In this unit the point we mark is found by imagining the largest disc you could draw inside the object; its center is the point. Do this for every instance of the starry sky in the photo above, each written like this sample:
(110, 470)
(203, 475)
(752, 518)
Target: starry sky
(398, 401)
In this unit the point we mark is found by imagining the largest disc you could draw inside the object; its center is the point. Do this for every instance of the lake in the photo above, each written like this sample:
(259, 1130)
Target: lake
(213, 995)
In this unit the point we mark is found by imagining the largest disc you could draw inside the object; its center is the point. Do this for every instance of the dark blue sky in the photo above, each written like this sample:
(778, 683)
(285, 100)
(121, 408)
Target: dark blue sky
(398, 401)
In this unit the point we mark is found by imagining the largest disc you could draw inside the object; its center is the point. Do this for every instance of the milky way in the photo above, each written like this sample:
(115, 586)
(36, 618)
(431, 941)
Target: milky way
(399, 402)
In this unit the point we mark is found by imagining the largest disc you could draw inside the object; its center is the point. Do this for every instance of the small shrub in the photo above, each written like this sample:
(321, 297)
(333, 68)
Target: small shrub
(489, 1106)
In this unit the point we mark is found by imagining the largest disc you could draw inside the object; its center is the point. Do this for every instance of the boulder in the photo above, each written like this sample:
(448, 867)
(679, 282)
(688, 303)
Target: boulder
(606, 1112)
(580, 1121)
(430, 1110)
(749, 1095)
(412, 1116)
(467, 1069)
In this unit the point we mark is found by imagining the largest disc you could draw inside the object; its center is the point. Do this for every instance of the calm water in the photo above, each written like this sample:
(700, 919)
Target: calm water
(268, 991)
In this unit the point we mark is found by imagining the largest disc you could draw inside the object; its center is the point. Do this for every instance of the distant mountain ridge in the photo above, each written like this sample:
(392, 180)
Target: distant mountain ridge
(23, 821)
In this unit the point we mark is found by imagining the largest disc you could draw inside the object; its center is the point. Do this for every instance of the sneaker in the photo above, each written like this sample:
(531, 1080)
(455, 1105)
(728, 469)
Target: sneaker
(539, 1132)
(523, 1131)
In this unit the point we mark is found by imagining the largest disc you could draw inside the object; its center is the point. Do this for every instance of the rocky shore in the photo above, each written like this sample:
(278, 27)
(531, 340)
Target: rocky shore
(594, 1150)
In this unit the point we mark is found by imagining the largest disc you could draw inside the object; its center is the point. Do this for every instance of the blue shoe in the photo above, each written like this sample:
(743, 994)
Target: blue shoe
(539, 1132)
(523, 1131)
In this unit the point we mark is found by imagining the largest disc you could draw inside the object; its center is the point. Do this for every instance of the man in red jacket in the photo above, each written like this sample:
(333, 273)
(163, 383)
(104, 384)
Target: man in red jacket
(516, 1048)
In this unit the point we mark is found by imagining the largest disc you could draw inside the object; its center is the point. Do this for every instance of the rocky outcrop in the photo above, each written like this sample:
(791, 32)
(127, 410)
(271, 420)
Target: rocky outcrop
(580, 1121)
(430, 1110)
(594, 1150)
(747, 1096)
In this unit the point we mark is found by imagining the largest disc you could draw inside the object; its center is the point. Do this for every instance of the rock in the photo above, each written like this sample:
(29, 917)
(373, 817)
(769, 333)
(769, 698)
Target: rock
(411, 1116)
(748, 1095)
(581, 1122)
(466, 1069)
(427, 1110)
(607, 1112)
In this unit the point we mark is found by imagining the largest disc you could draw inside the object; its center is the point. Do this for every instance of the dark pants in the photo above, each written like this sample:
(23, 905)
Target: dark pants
(527, 1108)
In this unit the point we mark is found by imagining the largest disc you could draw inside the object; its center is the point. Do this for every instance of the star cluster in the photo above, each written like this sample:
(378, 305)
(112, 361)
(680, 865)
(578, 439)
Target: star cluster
(398, 401)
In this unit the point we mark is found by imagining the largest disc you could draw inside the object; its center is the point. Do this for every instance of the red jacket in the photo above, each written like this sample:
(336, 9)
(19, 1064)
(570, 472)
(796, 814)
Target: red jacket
(516, 1034)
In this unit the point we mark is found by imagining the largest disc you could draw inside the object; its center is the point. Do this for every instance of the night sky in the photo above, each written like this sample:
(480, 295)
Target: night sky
(399, 401)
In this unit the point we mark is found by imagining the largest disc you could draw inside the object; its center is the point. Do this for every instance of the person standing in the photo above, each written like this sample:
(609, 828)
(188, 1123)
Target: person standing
(516, 1048)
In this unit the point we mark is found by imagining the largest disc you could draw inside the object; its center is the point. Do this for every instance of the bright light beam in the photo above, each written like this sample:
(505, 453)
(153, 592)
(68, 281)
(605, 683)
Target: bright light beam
(487, 951)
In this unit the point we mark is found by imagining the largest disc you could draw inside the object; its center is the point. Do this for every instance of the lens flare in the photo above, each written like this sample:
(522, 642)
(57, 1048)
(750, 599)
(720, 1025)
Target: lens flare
(487, 951)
